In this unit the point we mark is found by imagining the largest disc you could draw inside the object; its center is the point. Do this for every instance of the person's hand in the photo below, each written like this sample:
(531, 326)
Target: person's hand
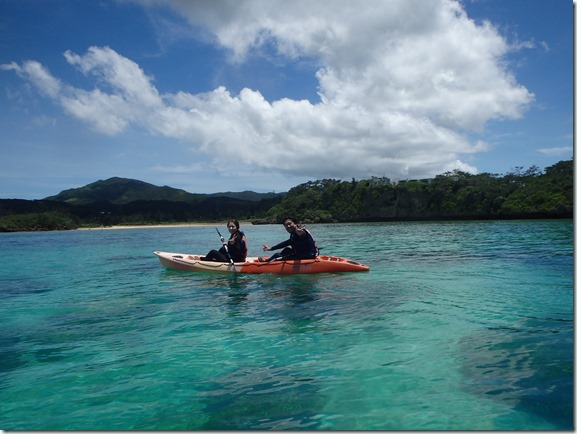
(265, 248)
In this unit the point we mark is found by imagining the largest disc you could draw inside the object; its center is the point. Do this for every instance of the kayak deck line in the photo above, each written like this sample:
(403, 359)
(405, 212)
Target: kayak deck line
(255, 265)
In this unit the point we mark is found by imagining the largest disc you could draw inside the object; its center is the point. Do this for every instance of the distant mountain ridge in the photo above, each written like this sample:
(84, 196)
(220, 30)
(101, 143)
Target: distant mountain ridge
(530, 194)
(120, 191)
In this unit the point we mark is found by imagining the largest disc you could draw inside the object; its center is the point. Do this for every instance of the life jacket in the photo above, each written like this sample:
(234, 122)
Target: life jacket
(306, 246)
(237, 247)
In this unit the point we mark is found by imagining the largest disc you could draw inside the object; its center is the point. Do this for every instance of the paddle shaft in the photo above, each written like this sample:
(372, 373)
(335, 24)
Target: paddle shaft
(225, 246)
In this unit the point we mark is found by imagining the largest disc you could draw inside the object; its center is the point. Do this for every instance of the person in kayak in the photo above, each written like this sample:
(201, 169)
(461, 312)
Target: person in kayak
(300, 245)
(236, 244)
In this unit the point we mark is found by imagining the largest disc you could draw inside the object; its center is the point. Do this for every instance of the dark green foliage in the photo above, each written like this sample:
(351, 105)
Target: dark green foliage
(551, 192)
(45, 221)
(453, 195)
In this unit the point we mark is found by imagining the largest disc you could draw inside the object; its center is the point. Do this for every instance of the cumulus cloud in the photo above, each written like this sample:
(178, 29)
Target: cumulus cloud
(401, 83)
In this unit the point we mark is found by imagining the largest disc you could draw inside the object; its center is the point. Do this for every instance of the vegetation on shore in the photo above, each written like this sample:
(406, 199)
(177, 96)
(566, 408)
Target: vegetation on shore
(454, 195)
(38, 221)
(530, 193)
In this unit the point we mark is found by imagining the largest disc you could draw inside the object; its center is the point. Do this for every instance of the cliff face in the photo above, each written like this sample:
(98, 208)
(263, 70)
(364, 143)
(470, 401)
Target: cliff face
(398, 204)
(411, 204)
(390, 203)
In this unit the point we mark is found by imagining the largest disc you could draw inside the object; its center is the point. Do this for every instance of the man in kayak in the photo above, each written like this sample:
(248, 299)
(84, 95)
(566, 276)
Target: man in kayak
(236, 245)
(300, 245)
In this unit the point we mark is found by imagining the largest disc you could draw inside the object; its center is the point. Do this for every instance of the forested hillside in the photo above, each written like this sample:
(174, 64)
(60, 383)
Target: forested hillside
(529, 193)
(121, 191)
(456, 195)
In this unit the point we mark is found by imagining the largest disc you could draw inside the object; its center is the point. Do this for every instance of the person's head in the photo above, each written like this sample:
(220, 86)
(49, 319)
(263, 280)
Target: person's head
(233, 226)
(290, 224)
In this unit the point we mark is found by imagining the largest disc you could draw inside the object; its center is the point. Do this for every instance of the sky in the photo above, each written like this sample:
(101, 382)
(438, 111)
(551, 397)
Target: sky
(263, 95)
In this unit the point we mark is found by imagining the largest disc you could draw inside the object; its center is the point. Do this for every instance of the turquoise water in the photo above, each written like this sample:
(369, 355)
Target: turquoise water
(458, 326)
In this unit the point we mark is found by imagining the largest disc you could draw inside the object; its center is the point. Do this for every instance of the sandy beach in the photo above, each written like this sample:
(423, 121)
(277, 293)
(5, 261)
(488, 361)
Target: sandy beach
(176, 225)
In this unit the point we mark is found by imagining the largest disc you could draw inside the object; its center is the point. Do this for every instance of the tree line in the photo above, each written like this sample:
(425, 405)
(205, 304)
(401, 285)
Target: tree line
(38, 215)
(529, 193)
(521, 193)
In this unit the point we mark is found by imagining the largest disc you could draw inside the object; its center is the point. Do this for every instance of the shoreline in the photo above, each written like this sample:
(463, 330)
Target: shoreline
(176, 225)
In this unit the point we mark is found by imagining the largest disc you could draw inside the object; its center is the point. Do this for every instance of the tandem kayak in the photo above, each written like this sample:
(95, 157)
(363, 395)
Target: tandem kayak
(320, 264)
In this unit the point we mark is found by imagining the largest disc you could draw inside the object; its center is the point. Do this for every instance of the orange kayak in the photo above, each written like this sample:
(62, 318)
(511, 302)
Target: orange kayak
(320, 264)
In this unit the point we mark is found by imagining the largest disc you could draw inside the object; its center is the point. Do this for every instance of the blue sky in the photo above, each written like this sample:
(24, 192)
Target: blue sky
(219, 95)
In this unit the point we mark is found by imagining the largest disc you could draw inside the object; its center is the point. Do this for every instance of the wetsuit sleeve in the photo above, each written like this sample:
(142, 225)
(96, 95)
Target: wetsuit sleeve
(281, 245)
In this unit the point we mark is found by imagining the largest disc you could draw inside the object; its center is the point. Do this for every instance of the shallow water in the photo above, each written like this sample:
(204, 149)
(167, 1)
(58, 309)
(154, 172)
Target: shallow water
(458, 326)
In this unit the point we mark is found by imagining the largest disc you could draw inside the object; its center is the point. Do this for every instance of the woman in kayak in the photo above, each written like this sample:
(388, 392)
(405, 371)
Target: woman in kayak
(300, 245)
(236, 245)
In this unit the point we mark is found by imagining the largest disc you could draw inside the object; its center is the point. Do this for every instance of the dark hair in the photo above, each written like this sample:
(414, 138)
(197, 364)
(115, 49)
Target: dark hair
(295, 221)
(235, 223)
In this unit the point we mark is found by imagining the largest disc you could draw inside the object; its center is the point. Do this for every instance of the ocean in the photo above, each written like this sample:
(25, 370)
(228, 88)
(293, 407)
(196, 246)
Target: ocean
(457, 326)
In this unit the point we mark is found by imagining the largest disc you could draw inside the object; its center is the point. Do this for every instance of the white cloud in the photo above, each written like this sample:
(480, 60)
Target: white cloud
(556, 152)
(35, 72)
(123, 75)
(401, 83)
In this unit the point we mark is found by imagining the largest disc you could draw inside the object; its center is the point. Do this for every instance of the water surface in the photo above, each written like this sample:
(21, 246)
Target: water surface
(458, 326)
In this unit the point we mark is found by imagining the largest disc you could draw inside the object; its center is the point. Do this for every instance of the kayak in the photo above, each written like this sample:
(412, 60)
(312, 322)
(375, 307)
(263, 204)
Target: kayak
(253, 265)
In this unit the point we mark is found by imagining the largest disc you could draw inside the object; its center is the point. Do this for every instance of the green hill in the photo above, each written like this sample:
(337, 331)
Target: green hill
(121, 191)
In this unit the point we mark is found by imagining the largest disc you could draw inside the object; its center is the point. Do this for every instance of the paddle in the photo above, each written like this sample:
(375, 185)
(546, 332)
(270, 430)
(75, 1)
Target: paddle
(225, 246)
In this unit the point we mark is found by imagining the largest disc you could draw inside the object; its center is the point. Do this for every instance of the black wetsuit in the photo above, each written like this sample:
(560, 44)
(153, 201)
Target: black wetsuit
(296, 247)
(236, 248)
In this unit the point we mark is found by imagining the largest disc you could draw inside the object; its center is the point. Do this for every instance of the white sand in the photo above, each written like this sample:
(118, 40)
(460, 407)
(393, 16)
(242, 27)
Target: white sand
(177, 225)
